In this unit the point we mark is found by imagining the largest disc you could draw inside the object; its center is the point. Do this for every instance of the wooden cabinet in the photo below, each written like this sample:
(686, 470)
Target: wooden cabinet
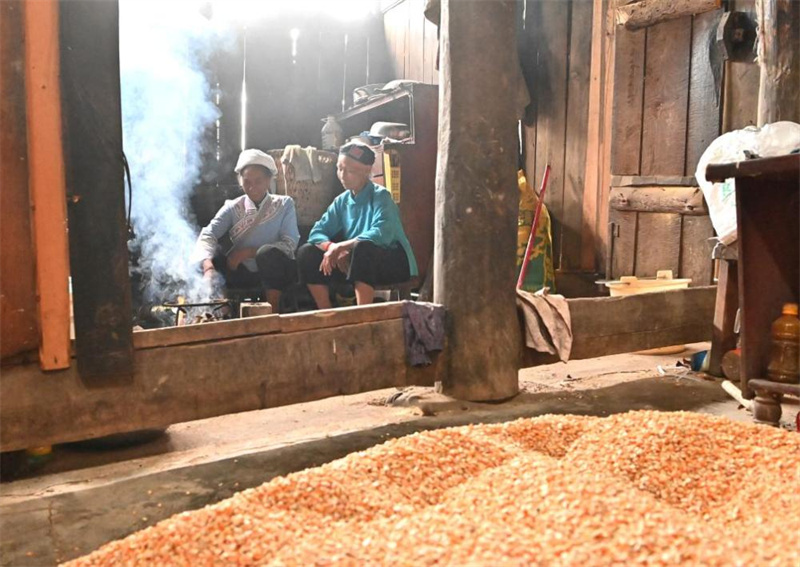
(418, 106)
(768, 223)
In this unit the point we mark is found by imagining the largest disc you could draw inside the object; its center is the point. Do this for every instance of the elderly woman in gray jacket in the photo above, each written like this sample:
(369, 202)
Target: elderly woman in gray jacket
(262, 228)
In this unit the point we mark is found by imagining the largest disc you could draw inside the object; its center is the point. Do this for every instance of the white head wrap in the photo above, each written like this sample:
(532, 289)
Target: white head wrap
(255, 157)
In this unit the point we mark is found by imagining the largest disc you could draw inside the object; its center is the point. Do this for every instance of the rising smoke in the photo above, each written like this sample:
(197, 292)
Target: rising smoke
(167, 107)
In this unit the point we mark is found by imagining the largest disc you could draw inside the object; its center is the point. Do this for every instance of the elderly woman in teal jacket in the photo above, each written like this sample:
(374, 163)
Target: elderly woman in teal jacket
(359, 238)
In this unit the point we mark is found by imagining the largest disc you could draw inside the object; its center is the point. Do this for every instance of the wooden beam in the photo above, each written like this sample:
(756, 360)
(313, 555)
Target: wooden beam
(683, 200)
(188, 382)
(46, 179)
(644, 13)
(779, 58)
(647, 180)
(612, 325)
(266, 325)
(90, 91)
(477, 206)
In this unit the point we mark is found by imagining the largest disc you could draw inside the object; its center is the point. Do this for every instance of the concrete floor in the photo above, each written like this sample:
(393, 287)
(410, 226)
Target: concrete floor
(83, 497)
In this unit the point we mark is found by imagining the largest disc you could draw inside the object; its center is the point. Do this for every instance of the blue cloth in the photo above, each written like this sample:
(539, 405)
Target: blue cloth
(371, 215)
(272, 222)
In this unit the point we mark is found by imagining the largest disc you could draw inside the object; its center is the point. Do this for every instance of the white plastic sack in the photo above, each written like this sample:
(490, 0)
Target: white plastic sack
(771, 140)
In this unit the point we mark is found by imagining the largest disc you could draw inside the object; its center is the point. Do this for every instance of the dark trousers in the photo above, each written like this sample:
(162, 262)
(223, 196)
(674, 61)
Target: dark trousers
(275, 271)
(369, 264)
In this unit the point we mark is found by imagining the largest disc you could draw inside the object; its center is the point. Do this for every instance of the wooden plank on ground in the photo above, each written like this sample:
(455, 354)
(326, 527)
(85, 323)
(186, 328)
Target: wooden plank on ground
(666, 93)
(552, 112)
(623, 243)
(696, 260)
(658, 244)
(189, 382)
(682, 200)
(580, 55)
(627, 102)
(705, 102)
(613, 325)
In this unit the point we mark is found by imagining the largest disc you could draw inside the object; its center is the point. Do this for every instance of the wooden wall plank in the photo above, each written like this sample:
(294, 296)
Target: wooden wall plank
(20, 330)
(416, 39)
(552, 112)
(628, 84)
(740, 107)
(406, 50)
(228, 69)
(528, 42)
(46, 181)
(580, 54)
(740, 104)
(658, 243)
(696, 260)
(624, 227)
(430, 74)
(705, 103)
(606, 140)
(590, 240)
(666, 95)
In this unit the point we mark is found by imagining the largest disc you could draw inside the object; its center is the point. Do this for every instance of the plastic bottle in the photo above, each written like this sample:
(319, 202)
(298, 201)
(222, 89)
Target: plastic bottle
(784, 358)
(332, 135)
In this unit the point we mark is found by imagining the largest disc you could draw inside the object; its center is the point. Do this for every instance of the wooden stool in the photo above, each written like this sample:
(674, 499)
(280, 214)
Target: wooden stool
(398, 291)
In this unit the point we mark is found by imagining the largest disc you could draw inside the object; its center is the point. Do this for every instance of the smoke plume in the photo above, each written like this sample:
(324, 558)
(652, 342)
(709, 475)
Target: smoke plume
(167, 107)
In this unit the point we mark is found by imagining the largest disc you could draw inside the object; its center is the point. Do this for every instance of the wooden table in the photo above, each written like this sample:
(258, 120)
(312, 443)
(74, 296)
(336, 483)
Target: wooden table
(768, 216)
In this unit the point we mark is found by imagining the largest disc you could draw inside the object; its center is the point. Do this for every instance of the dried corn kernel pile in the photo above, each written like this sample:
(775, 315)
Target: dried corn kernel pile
(640, 488)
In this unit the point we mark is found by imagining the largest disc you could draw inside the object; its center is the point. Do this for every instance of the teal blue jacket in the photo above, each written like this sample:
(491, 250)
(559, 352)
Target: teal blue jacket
(371, 215)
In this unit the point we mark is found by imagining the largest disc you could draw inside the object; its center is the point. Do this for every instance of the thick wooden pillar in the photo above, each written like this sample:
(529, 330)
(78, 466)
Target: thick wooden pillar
(90, 89)
(477, 198)
(779, 58)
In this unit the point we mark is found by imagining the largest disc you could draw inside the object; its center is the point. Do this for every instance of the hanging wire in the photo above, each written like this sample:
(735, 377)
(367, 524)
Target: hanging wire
(131, 233)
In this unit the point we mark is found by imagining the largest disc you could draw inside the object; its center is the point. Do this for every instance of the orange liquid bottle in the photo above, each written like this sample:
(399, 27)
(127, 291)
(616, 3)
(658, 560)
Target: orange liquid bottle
(784, 358)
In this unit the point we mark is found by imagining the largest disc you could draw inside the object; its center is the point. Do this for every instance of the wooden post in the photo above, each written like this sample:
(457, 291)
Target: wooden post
(779, 58)
(90, 87)
(46, 179)
(476, 199)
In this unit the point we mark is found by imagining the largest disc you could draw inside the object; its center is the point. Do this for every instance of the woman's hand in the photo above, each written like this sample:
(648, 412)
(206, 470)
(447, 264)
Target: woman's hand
(336, 256)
